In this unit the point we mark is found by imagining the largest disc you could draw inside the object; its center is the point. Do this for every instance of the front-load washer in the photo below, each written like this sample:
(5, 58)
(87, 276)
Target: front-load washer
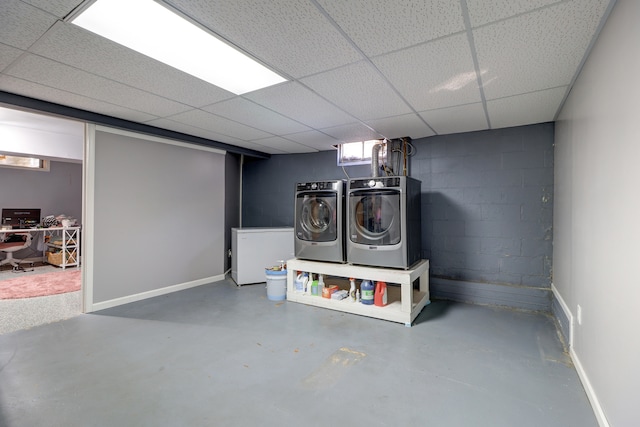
(383, 221)
(319, 221)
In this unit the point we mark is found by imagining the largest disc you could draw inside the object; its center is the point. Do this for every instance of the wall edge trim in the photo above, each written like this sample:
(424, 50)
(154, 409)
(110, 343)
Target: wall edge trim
(154, 293)
(566, 310)
(589, 390)
(502, 295)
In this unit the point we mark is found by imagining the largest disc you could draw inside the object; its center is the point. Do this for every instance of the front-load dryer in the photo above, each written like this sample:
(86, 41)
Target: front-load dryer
(384, 221)
(319, 221)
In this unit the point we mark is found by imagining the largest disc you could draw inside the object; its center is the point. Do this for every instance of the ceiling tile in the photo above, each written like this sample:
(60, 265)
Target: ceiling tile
(293, 37)
(283, 145)
(299, 103)
(358, 89)
(461, 118)
(381, 26)
(244, 111)
(56, 96)
(538, 50)
(535, 107)
(211, 122)
(352, 132)
(21, 25)
(257, 147)
(8, 54)
(53, 74)
(400, 126)
(72, 45)
(315, 139)
(433, 75)
(484, 11)
(59, 8)
(194, 130)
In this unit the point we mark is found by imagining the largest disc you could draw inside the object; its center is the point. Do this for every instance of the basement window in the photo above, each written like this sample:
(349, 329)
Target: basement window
(359, 153)
(18, 162)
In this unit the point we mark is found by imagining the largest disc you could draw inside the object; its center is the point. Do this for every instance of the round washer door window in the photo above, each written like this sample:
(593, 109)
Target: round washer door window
(317, 219)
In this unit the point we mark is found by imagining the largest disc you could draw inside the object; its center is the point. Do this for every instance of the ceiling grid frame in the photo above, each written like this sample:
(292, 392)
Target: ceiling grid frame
(312, 45)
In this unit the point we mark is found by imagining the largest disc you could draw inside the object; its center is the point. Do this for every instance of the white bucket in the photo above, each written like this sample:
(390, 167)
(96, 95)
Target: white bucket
(276, 284)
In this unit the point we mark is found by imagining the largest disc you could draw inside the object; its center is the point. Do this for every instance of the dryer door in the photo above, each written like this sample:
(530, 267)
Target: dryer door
(374, 217)
(316, 216)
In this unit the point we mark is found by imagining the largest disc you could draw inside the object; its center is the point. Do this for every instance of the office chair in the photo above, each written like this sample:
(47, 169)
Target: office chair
(12, 244)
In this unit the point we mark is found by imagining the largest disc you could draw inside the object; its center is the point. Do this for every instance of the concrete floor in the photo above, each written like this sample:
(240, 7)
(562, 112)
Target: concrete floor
(218, 355)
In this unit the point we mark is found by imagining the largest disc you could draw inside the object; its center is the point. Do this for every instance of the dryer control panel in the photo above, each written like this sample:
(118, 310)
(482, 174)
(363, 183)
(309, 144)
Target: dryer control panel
(320, 185)
(382, 182)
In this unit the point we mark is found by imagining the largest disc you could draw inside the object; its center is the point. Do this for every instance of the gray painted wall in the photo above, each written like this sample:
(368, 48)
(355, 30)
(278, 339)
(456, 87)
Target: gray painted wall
(597, 217)
(487, 209)
(158, 215)
(58, 191)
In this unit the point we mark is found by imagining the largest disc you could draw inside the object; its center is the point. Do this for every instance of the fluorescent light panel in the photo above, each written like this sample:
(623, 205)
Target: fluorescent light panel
(153, 30)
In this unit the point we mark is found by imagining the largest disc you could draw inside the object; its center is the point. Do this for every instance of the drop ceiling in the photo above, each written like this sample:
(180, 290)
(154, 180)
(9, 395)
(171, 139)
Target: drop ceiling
(356, 70)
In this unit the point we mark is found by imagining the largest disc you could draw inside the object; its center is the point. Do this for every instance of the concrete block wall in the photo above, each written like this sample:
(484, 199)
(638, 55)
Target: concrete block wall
(268, 186)
(487, 205)
(487, 209)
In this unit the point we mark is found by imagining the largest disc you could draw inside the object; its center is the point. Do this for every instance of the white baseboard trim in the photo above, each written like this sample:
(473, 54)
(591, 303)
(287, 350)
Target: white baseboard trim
(565, 309)
(154, 293)
(591, 394)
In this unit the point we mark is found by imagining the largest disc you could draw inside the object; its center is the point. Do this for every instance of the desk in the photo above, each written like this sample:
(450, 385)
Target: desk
(61, 244)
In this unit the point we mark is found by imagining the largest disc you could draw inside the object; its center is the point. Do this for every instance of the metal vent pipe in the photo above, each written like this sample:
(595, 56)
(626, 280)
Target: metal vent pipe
(375, 159)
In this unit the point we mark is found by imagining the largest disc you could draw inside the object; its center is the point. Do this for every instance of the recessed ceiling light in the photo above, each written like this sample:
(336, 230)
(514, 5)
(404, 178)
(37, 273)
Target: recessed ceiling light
(153, 30)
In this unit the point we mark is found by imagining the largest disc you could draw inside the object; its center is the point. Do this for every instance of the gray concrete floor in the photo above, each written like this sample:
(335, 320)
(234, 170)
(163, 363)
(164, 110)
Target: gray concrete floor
(219, 355)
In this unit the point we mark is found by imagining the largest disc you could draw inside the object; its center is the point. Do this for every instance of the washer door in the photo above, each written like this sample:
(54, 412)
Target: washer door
(375, 217)
(316, 216)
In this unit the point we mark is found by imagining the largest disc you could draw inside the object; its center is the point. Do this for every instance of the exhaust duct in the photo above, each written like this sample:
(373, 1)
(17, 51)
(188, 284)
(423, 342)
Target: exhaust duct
(375, 159)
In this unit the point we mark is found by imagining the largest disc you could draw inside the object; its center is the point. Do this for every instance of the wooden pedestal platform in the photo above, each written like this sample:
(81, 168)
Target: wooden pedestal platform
(404, 302)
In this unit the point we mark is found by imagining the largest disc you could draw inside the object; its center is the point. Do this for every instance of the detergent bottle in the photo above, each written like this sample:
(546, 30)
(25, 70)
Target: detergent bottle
(313, 287)
(380, 297)
(301, 282)
(367, 291)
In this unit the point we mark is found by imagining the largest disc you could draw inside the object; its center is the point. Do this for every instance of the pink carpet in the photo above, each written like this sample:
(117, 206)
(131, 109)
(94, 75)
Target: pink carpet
(37, 285)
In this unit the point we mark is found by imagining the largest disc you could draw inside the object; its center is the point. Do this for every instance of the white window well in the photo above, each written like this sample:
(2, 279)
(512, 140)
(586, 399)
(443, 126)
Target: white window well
(23, 162)
(359, 153)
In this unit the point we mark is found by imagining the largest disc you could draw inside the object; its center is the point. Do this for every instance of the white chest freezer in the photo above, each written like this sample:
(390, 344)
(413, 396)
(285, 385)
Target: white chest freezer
(254, 249)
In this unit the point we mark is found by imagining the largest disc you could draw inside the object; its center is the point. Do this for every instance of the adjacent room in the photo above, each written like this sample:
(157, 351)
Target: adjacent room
(41, 175)
(275, 213)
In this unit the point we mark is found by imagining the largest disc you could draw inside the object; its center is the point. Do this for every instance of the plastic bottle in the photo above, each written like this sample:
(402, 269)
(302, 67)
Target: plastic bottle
(352, 289)
(367, 292)
(307, 288)
(380, 297)
(301, 282)
(358, 295)
(313, 287)
(320, 284)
